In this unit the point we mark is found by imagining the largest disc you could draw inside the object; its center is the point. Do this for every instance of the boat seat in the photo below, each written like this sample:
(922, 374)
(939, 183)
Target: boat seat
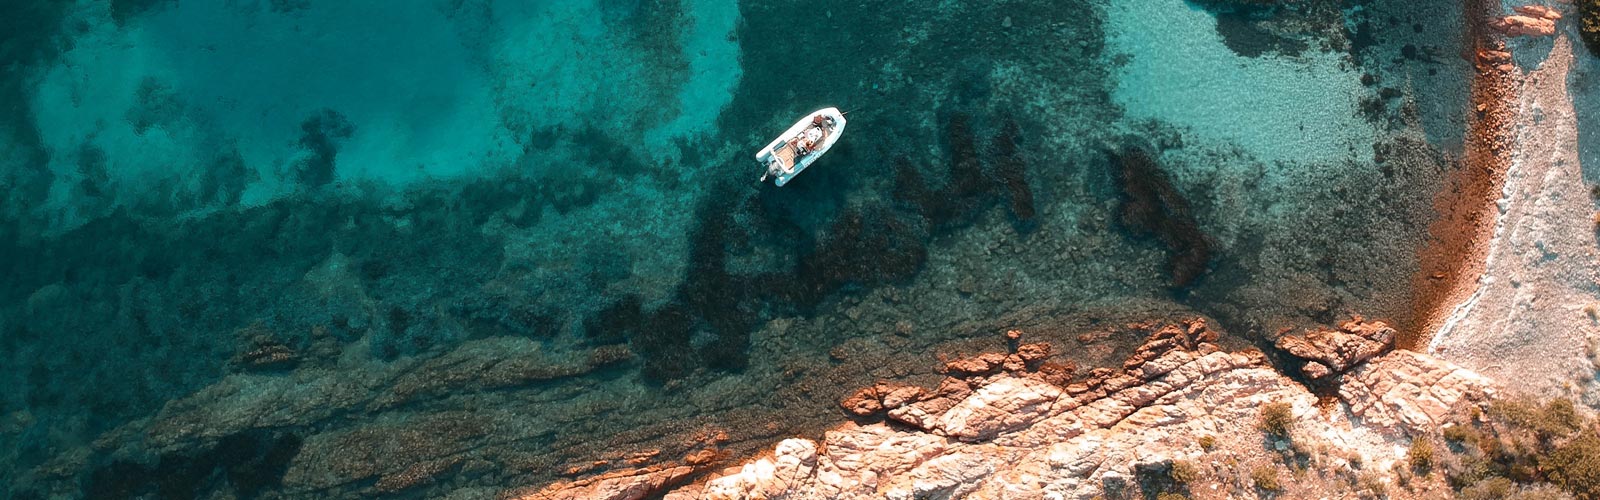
(785, 156)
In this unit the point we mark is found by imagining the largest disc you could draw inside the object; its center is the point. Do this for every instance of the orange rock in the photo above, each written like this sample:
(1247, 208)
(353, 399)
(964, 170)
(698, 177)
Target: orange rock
(1330, 352)
(1538, 11)
(1493, 57)
(643, 457)
(701, 457)
(1525, 26)
(1057, 373)
(1036, 351)
(982, 364)
(617, 485)
(865, 402)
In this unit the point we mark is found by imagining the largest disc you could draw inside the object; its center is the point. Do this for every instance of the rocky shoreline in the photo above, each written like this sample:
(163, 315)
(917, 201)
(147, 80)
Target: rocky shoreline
(1002, 425)
(455, 347)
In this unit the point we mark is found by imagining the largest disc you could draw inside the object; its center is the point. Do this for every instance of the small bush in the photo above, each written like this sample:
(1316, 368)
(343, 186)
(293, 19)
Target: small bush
(1520, 449)
(1172, 496)
(1183, 472)
(1575, 466)
(1515, 411)
(1556, 418)
(1208, 443)
(1494, 488)
(1277, 419)
(1371, 485)
(1466, 470)
(1459, 434)
(1266, 478)
(1421, 456)
(1560, 417)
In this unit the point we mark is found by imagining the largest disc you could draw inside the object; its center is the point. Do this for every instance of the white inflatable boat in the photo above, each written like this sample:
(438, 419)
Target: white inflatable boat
(801, 145)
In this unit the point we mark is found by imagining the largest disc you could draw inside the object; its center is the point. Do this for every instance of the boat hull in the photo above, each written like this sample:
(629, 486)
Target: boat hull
(779, 156)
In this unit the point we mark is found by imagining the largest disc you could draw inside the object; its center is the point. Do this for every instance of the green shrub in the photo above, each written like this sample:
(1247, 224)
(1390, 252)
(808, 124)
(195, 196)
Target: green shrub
(1277, 419)
(1183, 472)
(1466, 470)
(1556, 418)
(1266, 478)
(1172, 496)
(1421, 456)
(1459, 434)
(1560, 417)
(1520, 449)
(1575, 466)
(1208, 442)
(1519, 412)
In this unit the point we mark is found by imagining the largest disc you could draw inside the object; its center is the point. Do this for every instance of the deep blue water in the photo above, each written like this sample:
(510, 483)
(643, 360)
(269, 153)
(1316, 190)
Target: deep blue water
(300, 247)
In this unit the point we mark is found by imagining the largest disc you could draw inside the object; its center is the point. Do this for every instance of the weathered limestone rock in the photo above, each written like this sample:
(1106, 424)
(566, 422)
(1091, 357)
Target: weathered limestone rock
(1406, 392)
(877, 398)
(791, 469)
(1005, 405)
(1331, 352)
(921, 413)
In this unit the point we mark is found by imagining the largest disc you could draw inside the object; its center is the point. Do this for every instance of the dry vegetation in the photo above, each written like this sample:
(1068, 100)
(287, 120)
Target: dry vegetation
(1515, 449)
(1277, 419)
(1518, 448)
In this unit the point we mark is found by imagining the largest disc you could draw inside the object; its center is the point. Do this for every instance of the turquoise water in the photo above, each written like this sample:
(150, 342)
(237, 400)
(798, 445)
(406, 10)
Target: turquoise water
(310, 248)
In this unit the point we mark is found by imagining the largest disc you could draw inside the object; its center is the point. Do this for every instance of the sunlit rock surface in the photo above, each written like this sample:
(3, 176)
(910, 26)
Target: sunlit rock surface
(1016, 435)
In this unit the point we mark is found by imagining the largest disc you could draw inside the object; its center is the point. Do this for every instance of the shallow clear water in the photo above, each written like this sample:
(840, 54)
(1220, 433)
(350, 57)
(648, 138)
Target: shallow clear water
(301, 247)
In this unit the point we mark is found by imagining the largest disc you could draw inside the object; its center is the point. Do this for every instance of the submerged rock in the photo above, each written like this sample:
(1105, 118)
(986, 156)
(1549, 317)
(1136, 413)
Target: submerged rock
(1152, 206)
(1525, 26)
(1530, 20)
(1539, 11)
(268, 355)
